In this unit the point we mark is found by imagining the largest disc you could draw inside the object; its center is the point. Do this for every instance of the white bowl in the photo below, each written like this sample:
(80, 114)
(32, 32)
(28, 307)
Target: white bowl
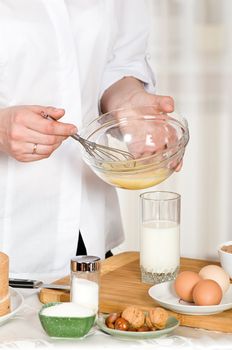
(225, 258)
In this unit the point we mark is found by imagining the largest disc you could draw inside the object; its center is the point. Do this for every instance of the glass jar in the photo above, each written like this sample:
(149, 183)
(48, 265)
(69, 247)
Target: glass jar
(85, 274)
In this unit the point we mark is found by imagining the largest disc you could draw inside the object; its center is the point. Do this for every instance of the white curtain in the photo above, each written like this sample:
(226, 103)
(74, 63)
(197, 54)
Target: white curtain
(191, 49)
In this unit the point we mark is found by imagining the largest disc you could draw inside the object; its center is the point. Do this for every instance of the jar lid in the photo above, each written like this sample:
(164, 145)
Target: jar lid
(85, 263)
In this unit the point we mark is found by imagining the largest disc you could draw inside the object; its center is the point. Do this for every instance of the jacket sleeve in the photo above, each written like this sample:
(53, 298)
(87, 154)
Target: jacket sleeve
(129, 55)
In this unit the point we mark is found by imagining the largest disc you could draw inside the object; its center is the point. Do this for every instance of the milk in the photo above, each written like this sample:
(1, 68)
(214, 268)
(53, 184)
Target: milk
(159, 246)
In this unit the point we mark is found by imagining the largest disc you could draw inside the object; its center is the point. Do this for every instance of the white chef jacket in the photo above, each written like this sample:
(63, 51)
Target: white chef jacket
(63, 53)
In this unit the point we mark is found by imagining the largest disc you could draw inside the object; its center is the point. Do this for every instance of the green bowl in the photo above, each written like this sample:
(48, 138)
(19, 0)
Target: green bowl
(65, 327)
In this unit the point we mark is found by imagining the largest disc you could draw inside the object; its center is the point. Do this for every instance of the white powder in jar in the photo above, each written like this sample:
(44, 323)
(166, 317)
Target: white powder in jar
(67, 310)
(85, 293)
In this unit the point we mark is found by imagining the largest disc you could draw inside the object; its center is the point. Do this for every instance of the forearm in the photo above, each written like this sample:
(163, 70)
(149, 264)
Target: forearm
(120, 93)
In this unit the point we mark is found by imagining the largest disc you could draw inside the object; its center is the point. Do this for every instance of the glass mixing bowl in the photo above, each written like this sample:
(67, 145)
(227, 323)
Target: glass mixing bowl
(156, 142)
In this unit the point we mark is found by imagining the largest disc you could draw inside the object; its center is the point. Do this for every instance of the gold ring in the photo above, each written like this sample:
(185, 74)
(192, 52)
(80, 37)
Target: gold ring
(34, 148)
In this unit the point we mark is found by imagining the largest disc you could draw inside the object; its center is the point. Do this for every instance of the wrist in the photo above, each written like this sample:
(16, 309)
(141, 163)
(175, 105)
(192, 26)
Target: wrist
(120, 94)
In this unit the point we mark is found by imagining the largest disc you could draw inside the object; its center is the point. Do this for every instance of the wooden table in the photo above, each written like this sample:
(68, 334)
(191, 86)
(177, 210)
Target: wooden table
(121, 285)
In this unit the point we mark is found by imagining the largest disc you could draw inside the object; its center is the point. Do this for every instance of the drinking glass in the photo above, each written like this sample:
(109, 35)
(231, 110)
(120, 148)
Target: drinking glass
(159, 236)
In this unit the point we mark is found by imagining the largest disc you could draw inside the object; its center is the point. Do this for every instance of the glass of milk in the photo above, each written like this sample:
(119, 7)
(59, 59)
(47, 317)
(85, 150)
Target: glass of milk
(159, 236)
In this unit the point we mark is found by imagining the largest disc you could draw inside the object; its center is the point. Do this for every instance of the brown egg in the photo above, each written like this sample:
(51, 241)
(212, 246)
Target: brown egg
(185, 283)
(216, 273)
(207, 292)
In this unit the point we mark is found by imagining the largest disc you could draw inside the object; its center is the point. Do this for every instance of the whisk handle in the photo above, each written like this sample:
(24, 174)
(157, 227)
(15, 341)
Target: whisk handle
(74, 136)
(78, 138)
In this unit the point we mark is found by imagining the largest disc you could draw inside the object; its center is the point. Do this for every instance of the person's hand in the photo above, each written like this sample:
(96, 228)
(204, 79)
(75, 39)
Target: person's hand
(161, 104)
(129, 92)
(27, 136)
(157, 137)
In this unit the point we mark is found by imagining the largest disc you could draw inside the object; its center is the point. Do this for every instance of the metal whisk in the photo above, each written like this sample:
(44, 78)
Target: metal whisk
(100, 152)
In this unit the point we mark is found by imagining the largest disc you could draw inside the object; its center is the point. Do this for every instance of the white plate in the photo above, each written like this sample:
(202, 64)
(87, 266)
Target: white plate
(16, 301)
(165, 296)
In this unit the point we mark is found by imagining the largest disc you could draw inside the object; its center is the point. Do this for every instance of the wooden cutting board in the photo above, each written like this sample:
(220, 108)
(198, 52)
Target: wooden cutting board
(121, 286)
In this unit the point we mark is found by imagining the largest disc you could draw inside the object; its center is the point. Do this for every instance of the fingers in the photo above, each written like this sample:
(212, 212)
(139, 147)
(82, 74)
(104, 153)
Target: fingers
(25, 126)
(56, 113)
(37, 122)
(163, 103)
(38, 149)
(179, 166)
(166, 104)
(26, 152)
(23, 134)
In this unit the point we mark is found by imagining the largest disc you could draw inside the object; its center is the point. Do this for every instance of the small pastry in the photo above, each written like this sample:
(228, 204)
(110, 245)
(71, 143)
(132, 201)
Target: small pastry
(148, 322)
(158, 317)
(134, 316)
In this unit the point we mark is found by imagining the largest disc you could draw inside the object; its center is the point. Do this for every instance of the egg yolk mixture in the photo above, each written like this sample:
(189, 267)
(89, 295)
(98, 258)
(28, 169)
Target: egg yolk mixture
(138, 181)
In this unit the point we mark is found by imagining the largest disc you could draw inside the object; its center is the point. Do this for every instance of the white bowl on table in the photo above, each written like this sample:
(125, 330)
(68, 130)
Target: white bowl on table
(225, 258)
